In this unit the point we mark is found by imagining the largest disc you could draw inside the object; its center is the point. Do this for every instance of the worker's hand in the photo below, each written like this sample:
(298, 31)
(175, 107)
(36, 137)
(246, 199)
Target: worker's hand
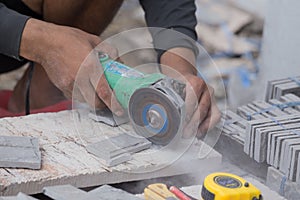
(202, 112)
(68, 56)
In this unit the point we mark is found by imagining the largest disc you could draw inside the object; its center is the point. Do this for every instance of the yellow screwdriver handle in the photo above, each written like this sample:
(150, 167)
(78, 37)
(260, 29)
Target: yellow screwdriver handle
(158, 191)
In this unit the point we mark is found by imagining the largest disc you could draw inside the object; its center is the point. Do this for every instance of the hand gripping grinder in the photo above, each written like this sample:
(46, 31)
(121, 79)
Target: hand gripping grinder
(155, 102)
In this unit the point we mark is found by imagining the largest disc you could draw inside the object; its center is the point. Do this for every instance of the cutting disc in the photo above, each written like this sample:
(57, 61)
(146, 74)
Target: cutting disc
(154, 116)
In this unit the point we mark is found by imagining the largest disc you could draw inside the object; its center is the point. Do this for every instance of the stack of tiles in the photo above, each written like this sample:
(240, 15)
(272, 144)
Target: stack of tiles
(270, 130)
(273, 134)
(233, 126)
(278, 88)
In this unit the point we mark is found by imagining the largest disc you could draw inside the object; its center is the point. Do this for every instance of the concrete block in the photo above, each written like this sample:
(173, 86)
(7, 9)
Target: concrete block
(107, 117)
(118, 149)
(19, 152)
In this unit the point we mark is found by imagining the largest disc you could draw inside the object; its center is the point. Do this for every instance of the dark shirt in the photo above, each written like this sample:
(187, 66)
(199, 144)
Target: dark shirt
(178, 15)
(11, 29)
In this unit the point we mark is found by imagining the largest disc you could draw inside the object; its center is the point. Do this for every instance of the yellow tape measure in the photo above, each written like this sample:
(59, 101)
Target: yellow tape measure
(224, 186)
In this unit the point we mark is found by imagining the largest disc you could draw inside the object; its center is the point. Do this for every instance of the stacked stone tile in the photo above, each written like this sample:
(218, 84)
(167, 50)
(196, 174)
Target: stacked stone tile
(278, 88)
(270, 130)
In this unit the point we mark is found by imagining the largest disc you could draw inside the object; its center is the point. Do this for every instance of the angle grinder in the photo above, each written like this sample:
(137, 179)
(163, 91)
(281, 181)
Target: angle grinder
(155, 102)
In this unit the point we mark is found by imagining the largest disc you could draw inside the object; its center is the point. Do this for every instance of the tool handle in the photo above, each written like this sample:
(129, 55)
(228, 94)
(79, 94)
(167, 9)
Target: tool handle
(179, 194)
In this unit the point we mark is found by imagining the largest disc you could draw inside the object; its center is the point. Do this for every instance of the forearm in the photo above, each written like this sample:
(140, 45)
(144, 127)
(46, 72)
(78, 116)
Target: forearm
(178, 60)
(36, 40)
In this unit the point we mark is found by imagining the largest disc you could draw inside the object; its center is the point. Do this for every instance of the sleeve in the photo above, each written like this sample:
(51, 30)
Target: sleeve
(178, 15)
(11, 28)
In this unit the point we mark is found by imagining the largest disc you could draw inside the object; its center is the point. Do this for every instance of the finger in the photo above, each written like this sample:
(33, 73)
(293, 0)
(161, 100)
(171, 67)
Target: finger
(194, 90)
(105, 93)
(204, 105)
(191, 128)
(212, 119)
(91, 65)
(87, 91)
(199, 115)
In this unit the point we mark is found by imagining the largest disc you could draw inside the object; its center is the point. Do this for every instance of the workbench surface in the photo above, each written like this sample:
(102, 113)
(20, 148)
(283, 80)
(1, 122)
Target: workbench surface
(63, 137)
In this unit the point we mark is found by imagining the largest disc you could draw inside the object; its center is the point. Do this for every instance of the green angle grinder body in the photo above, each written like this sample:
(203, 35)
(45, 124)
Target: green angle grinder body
(155, 102)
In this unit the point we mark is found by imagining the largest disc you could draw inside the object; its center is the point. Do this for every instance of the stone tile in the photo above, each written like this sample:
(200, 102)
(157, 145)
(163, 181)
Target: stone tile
(19, 152)
(64, 192)
(107, 117)
(118, 149)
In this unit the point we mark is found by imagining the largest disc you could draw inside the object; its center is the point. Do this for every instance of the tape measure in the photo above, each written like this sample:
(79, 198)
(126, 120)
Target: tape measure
(224, 186)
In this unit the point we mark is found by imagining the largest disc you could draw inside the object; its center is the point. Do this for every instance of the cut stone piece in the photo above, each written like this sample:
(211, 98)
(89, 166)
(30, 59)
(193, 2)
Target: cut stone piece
(279, 148)
(298, 171)
(286, 154)
(20, 196)
(107, 192)
(261, 138)
(245, 112)
(118, 149)
(254, 124)
(295, 150)
(272, 139)
(278, 88)
(233, 125)
(286, 88)
(107, 117)
(19, 152)
(288, 110)
(64, 192)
